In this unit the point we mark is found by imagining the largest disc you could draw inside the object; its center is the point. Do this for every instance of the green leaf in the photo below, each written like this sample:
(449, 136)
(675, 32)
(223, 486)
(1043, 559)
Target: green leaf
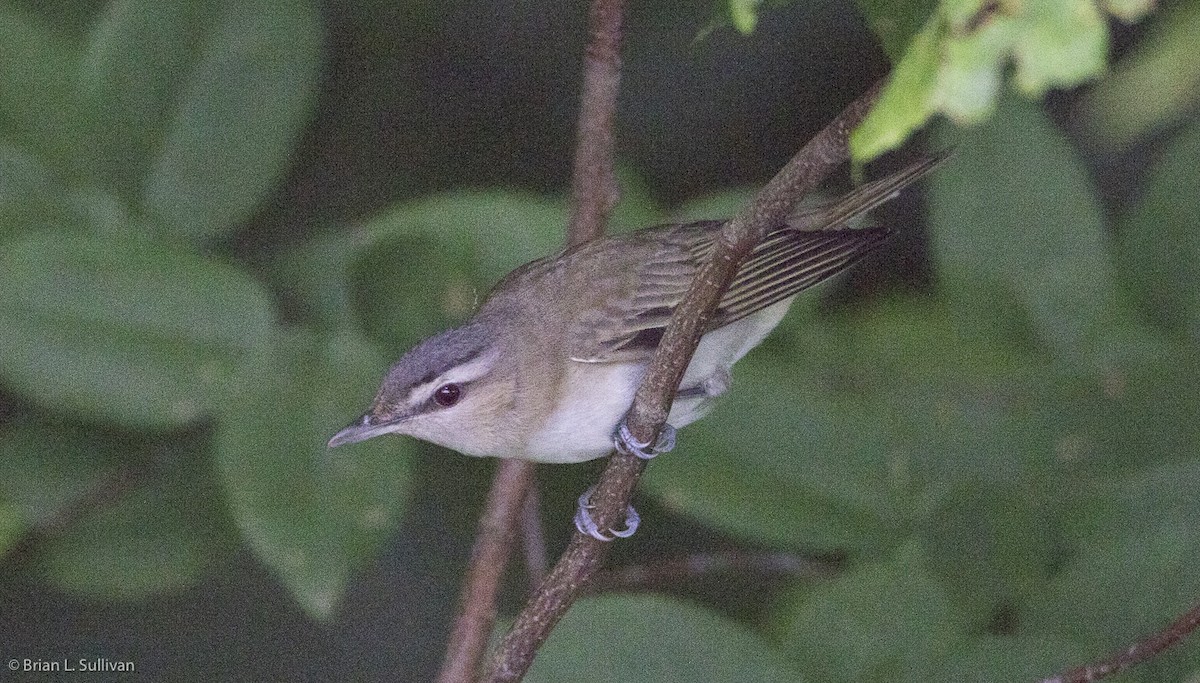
(128, 331)
(1158, 246)
(1138, 415)
(1059, 44)
(744, 14)
(954, 64)
(46, 470)
(884, 621)
(782, 462)
(896, 23)
(312, 515)
(13, 525)
(851, 434)
(33, 198)
(195, 106)
(406, 287)
(1015, 206)
(992, 658)
(991, 545)
(162, 529)
(1152, 86)
(651, 639)
(423, 266)
(503, 229)
(1120, 588)
(1107, 506)
(37, 98)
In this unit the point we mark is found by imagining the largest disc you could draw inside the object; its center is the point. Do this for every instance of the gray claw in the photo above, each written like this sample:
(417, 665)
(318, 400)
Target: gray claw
(625, 442)
(586, 525)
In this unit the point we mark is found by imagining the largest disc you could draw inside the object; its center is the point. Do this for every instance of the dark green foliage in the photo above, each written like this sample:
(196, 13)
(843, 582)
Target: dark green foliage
(1007, 458)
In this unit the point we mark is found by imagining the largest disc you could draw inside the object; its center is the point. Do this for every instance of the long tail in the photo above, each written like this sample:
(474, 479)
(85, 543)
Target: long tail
(837, 213)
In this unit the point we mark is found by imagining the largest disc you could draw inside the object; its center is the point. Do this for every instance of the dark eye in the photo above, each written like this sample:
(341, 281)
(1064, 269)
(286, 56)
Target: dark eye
(447, 395)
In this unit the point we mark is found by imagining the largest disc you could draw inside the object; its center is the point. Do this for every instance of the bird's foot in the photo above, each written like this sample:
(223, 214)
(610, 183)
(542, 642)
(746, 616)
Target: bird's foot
(626, 443)
(586, 525)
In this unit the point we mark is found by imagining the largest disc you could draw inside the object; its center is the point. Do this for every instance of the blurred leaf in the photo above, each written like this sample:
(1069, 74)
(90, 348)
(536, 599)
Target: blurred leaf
(1015, 206)
(954, 64)
(195, 106)
(122, 330)
(896, 23)
(1158, 245)
(13, 525)
(424, 266)
(875, 418)
(991, 545)
(782, 462)
(33, 198)
(1138, 416)
(713, 207)
(991, 658)
(46, 470)
(884, 621)
(407, 287)
(161, 530)
(503, 229)
(744, 14)
(1104, 507)
(1119, 588)
(652, 639)
(310, 514)
(1155, 84)
(37, 98)
(312, 280)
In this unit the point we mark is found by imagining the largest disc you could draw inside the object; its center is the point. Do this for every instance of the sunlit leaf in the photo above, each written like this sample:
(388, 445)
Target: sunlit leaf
(954, 65)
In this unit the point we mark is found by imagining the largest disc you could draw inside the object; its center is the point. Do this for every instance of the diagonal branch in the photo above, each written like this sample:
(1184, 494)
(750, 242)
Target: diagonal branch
(593, 195)
(652, 402)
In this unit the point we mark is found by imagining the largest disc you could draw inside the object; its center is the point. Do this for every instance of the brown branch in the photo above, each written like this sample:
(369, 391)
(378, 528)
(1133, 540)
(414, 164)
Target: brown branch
(593, 195)
(671, 571)
(533, 540)
(594, 183)
(477, 601)
(653, 399)
(1138, 652)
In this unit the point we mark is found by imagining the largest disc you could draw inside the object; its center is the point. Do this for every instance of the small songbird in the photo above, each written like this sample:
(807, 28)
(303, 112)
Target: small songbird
(548, 366)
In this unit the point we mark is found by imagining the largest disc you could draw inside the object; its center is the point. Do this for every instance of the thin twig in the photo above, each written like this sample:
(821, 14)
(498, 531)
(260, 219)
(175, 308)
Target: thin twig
(1138, 652)
(477, 601)
(594, 182)
(593, 195)
(533, 540)
(698, 566)
(653, 399)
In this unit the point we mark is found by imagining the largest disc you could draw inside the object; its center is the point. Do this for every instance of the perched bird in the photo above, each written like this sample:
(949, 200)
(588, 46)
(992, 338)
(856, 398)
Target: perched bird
(548, 366)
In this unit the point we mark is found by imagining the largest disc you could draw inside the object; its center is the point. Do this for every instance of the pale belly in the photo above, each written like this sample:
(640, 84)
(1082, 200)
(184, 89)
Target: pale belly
(582, 427)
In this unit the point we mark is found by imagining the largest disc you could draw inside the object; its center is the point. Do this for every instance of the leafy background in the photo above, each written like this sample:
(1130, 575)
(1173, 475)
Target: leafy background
(219, 221)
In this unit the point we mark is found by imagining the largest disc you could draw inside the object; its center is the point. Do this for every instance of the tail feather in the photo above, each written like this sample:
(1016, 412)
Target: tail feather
(837, 213)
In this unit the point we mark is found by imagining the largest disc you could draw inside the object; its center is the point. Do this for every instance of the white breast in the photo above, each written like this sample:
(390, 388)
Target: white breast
(599, 394)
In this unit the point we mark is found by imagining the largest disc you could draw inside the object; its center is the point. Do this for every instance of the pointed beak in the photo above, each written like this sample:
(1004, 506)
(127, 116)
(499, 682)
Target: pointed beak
(360, 430)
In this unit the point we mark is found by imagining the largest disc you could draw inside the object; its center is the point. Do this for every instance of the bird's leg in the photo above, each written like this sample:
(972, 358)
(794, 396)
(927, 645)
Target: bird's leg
(625, 442)
(586, 525)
